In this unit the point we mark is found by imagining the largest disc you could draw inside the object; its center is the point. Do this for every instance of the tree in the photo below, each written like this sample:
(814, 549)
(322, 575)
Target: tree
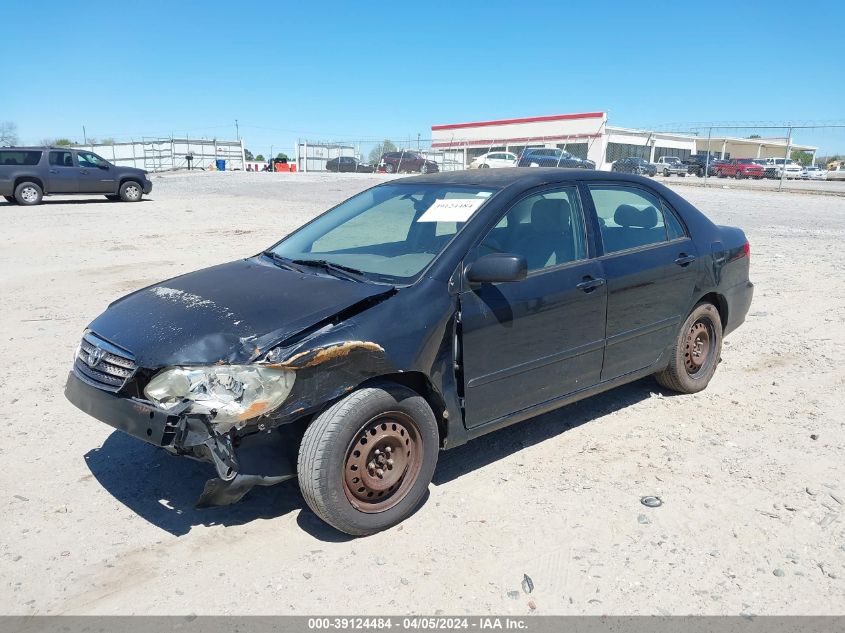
(381, 148)
(107, 141)
(755, 136)
(802, 158)
(281, 156)
(260, 158)
(63, 142)
(8, 133)
(248, 155)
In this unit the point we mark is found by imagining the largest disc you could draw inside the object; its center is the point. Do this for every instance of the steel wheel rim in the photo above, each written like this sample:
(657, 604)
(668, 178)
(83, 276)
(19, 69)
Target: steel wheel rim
(382, 462)
(29, 194)
(699, 348)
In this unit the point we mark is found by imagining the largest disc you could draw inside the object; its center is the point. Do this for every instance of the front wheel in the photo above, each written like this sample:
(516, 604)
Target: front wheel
(131, 191)
(738, 175)
(695, 353)
(424, 169)
(389, 168)
(665, 173)
(365, 463)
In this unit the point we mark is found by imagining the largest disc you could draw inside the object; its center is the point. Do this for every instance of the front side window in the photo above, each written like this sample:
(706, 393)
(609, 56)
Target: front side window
(390, 232)
(88, 159)
(629, 217)
(547, 229)
(61, 159)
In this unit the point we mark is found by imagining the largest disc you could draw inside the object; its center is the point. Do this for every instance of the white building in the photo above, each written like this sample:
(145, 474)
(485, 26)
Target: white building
(588, 135)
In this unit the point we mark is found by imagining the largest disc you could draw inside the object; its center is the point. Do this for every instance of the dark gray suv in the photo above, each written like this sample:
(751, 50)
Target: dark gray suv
(27, 174)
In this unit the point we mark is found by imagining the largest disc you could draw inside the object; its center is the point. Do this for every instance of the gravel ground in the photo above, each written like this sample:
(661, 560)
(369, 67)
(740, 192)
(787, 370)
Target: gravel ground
(829, 187)
(751, 471)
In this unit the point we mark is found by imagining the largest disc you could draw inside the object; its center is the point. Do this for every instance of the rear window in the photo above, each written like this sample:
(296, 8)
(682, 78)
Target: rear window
(19, 157)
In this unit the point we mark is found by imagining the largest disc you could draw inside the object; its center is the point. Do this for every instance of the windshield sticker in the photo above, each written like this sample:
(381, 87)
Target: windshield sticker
(454, 210)
(484, 194)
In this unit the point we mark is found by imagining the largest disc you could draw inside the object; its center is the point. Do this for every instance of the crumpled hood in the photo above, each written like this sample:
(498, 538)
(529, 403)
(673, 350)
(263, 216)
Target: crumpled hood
(230, 313)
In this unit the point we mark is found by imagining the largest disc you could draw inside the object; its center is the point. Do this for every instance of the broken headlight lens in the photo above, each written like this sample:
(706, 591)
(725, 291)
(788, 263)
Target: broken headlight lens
(236, 393)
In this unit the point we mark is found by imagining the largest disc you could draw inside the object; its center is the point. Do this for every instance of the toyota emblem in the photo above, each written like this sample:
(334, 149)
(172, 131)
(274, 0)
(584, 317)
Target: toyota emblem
(95, 356)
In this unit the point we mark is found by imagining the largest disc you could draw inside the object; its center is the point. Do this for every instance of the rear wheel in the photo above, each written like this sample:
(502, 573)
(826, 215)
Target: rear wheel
(10, 199)
(389, 168)
(695, 354)
(130, 191)
(28, 194)
(365, 463)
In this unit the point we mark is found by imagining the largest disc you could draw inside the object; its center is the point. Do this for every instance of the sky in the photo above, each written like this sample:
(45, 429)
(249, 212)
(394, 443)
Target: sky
(366, 70)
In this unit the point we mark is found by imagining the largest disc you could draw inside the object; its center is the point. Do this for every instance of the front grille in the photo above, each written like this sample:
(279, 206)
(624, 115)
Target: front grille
(103, 365)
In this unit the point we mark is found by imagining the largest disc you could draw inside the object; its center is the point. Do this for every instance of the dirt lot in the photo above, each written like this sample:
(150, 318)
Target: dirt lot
(751, 471)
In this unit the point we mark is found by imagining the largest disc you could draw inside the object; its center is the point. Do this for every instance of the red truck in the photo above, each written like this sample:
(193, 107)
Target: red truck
(740, 168)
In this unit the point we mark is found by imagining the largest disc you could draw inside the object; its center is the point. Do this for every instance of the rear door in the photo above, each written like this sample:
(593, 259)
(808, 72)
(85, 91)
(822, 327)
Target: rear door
(95, 174)
(651, 268)
(62, 176)
(536, 340)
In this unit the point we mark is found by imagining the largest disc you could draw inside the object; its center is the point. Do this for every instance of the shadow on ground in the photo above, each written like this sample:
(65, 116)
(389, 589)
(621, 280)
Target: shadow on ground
(163, 489)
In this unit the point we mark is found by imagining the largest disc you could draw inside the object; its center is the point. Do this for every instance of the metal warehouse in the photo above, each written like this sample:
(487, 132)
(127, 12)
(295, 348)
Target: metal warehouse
(588, 135)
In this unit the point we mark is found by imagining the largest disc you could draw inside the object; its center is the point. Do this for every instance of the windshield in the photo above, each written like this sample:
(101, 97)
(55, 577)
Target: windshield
(389, 233)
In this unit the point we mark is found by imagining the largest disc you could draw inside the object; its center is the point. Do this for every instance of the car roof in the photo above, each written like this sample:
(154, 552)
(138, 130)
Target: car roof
(522, 176)
(41, 148)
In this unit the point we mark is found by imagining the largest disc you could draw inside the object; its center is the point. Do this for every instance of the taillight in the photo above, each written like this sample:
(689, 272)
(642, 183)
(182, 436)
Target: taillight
(746, 249)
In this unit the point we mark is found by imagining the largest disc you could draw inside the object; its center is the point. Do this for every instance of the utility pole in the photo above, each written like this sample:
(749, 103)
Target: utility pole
(84, 136)
(237, 130)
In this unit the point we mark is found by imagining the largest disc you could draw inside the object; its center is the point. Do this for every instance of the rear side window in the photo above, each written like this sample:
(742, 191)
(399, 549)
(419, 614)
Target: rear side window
(628, 217)
(19, 157)
(61, 159)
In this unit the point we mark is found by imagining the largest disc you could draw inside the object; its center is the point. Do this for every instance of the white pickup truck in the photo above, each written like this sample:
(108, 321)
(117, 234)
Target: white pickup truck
(668, 165)
(774, 167)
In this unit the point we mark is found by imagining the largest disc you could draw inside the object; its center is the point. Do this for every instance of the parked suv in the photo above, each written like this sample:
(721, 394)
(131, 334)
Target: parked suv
(27, 174)
(397, 162)
(552, 157)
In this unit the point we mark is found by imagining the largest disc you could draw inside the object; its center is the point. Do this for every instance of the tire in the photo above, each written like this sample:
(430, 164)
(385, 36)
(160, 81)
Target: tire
(682, 175)
(484, 166)
(665, 173)
(378, 417)
(424, 169)
(28, 194)
(738, 175)
(695, 353)
(112, 197)
(700, 172)
(389, 168)
(10, 199)
(131, 191)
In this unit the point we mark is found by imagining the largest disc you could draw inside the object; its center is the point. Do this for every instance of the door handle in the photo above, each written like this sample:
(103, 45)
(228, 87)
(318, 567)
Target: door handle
(54, 171)
(589, 284)
(684, 260)
(84, 171)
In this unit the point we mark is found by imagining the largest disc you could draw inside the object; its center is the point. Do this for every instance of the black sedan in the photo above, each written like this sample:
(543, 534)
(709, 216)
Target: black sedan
(634, 165)
(348, 164)
(552, 157)
(415, 316)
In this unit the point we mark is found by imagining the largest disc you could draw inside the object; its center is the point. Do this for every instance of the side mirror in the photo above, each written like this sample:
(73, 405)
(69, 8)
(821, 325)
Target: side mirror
(497, 267)
(103, 165)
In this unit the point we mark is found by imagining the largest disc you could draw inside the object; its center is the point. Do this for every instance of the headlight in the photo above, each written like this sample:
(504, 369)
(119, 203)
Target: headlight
(235, 393)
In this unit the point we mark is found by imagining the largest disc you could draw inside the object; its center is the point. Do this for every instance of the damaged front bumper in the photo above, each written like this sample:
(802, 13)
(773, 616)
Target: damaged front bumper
(242, 460)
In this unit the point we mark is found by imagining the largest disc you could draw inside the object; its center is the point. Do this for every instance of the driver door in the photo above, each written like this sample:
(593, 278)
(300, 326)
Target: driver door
(539, 339)
(95, 174)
